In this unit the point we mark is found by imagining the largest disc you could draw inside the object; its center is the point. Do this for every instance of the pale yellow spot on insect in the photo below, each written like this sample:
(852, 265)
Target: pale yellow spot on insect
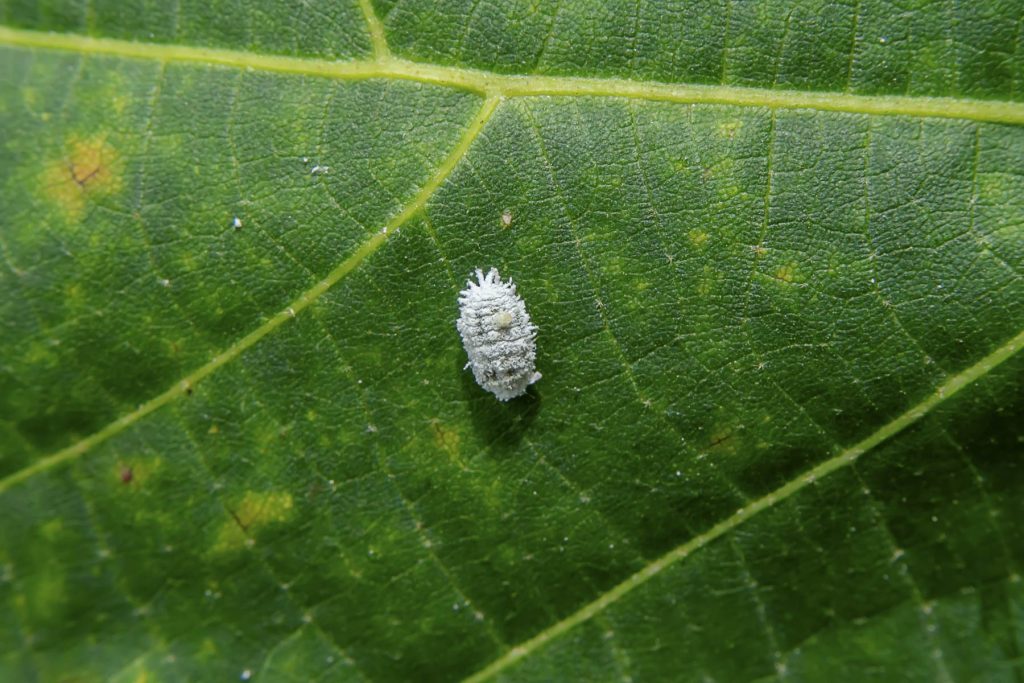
(503, 319)
(256, 510)
(89, 169)
(698, 238)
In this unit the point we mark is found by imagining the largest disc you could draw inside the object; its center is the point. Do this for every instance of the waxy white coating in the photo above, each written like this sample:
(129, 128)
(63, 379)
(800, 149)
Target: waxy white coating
(498, 336)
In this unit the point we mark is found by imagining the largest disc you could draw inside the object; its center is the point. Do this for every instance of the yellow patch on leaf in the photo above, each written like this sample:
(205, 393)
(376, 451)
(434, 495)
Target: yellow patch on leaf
(446, 439)
(256, 510)
(89, 169)
(789, 274)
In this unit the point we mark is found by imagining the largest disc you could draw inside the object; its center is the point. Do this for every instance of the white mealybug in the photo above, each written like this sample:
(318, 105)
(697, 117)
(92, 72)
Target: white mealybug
(498, 335)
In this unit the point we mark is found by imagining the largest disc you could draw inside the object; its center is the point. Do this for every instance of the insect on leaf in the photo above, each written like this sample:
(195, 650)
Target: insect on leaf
(771, 254)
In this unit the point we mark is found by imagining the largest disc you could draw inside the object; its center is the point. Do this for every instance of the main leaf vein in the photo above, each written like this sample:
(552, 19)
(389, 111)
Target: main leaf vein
(385, 66)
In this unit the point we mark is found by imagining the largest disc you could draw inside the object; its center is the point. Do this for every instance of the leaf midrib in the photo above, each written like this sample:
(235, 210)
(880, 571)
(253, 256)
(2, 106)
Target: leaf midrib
(385, 66)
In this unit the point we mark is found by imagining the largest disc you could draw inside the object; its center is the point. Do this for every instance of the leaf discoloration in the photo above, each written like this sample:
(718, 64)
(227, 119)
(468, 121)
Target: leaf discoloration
(89, 170)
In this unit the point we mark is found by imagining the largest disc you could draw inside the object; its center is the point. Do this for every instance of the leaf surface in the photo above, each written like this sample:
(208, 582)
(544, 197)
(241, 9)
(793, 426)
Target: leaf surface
(774, 253)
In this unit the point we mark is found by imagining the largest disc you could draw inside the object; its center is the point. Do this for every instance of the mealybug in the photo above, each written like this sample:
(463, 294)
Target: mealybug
(498, 336)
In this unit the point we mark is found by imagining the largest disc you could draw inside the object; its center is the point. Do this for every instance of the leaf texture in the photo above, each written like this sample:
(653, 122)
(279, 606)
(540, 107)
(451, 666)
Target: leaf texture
(774, 251)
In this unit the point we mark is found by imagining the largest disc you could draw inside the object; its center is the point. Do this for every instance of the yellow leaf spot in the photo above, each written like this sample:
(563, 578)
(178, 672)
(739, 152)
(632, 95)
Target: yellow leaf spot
(789, 274)
(46, 593)
(446, 439)
(89, 169)
(728, 129)
(708, 281)
(724, 439)
(207, 648)
(256, 510)
(138, 469)
(51, 529)
(698, 238)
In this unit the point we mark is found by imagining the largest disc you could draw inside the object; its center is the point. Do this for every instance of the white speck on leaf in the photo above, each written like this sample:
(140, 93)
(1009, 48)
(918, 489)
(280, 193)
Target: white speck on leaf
(236, 223)
(506, 218)
(498, 335)
(319, 170)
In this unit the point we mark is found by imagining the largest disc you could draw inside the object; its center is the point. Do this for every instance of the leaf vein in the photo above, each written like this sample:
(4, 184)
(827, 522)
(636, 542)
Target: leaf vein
(375, 28)
(510, 85)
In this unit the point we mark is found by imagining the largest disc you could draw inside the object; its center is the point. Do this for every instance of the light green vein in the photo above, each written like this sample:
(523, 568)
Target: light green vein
(301, 302)
(949, 388)
(386, 66)
(375, 28)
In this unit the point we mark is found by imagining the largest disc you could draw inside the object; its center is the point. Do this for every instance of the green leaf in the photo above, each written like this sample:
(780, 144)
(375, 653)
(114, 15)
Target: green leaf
(774, 250)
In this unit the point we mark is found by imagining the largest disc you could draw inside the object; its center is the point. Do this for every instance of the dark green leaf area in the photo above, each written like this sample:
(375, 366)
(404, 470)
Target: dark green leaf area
(331, 30)
(157, 214)
(734, 276)
(726, 297)
(878, 47)
(909, 561)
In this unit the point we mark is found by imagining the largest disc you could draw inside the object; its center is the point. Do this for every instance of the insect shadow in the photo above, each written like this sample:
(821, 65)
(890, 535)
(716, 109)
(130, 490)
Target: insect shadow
(500, 424)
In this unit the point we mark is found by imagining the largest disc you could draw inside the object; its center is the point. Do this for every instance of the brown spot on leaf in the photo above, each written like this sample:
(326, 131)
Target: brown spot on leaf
(255, 510)
(726, 439)
(446, 439)
(89, 169)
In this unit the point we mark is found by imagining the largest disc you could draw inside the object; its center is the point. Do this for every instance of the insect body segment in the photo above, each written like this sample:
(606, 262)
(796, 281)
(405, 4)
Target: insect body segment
(498, 335)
